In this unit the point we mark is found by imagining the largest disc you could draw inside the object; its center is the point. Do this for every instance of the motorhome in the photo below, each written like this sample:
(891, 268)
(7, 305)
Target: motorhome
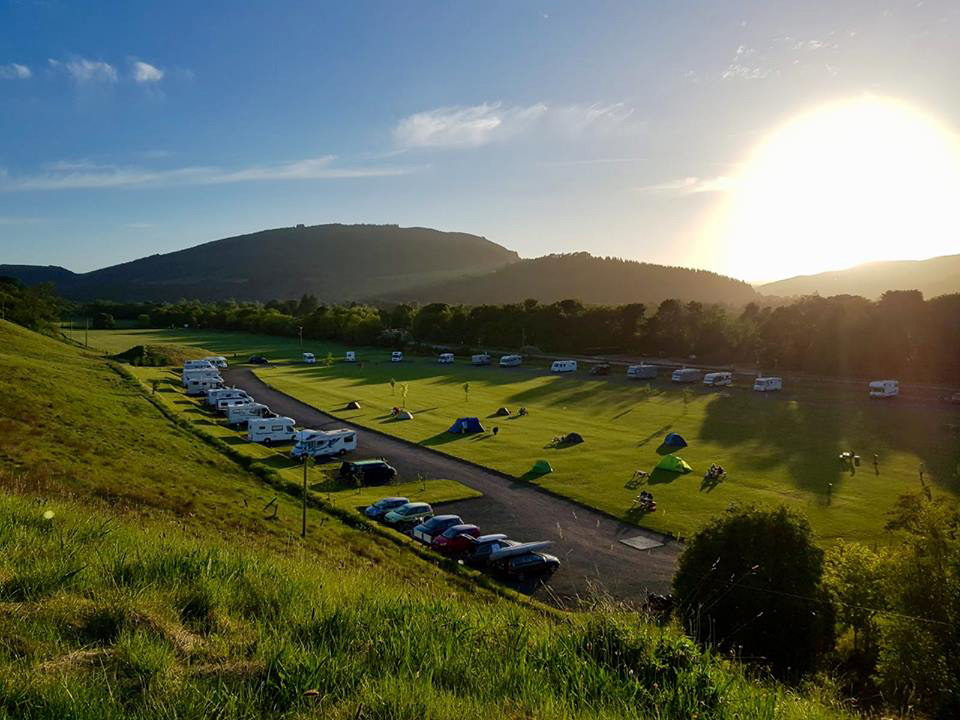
(445, 358)
(396, 356)
(224, 405)
(884, 388)
(238, 415)
(309, 358)
(481, 359)
(198, 365)
(642, 372)
(271, 430)
(202, 385)
(562, 366)
(323, 443)
(198, 373)
(717, 379)
(768, 384)
(511, 360)
(685, 375)
(217, 361)
(217, 394)
(351, 356)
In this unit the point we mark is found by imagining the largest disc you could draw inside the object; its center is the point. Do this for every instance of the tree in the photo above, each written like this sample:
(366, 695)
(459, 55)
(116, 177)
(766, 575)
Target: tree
(404, 389)
(854, 577)
(103, 321)
(143, 320)
(466, 392)
(393, 386)
(751, 581)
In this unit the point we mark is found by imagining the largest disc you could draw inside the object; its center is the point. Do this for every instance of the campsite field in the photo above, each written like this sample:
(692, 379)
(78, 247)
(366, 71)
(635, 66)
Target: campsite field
(781, 447)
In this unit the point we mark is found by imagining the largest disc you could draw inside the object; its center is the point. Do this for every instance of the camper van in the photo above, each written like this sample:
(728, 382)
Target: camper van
(202, 385)
(768, 384)
(198, 365)
(481, 359)
(717, 379)
(562, 366)
(396, 356)
(322, 443)
(445, 358)
(198, 373)
(351, 356)
(309, 358)
(271, 430)
(884, 388)
(225, 394)
(224, 405)
(218, 361)
(238, 415)
(685, 375)
(642, 372)
(511, 360)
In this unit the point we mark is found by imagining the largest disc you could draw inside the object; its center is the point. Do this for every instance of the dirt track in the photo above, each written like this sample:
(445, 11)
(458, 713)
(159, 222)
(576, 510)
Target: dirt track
(587, 542)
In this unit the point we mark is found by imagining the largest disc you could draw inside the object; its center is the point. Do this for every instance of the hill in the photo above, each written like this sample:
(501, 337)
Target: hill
(334, 262)
(933, 277)
(581, 276)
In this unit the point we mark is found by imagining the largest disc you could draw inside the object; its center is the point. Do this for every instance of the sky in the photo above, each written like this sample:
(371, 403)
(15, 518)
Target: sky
(627, 129)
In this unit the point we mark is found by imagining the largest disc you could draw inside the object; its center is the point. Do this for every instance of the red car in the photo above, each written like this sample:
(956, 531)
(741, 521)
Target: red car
(455, 539)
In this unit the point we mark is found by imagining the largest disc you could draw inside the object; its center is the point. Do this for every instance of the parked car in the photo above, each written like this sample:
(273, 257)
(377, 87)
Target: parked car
(369, 472)
(455, 539)
(384, 505)
(425, 531)
(526, 566)
(601, 369)
(477, 552)
(408, 515)
(257, 360)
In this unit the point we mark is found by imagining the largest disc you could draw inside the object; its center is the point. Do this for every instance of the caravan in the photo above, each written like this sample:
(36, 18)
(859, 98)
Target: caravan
(563, 366)
(197, 374)
(445, 358)
(271, 430)
(768, 384)
(642, 372)
(238, 415)
(396, 356)
(351, 356)
(717, 379)
(202, 385)
(323, 443)
(685, 375)
(480, 359)
(217, 394)
(218, 361)
(309, 358)
(223, 405)
(198, 365)
(884, 388)
(511, 360)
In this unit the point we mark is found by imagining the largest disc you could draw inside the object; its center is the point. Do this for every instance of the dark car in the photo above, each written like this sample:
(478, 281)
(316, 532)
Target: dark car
(428, 529)
(368, 472)
(477, 552)
(384, 505)
(526, 566)
(455, 539)
(602, 369)
(257, 360)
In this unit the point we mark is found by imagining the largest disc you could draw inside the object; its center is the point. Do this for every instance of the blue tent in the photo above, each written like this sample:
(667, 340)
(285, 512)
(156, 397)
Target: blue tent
(674, 440)
(466, 425)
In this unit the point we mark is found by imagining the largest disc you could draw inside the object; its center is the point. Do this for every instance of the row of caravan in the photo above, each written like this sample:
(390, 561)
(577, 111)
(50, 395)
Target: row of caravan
(724, 378)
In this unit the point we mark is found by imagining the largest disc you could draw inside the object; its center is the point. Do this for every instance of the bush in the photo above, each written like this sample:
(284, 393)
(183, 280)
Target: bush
(103, 321)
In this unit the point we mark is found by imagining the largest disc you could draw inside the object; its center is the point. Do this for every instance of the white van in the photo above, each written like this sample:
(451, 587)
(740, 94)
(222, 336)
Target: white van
(642, 372)
(396, 356)
(217, 361)
(884, 388)
(224, 405)
(271, 430)
(322, 443)
(309, 358)
(202, 385)
(445, 358)
(198, 365)
(197, 374)
(562, 366)
(511, 360)
(351, 356)
(685, 375)
(213, 396)
(481, 359)
(238, 415)
(768, 384)
(717, 379)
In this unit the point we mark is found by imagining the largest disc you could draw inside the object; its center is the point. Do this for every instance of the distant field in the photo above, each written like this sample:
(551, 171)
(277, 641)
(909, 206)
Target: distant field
(777, 448)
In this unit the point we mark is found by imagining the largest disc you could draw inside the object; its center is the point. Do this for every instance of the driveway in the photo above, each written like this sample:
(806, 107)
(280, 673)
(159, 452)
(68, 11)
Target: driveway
(586, 541)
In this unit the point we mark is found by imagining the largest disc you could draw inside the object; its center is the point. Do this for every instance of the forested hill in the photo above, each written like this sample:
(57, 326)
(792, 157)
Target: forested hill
(933, 277)
(581, 276)
(336, 263)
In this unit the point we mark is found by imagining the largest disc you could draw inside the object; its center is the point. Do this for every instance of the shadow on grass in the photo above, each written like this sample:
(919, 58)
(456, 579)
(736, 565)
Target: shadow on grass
(655, 434)
(441, 439)
(709, 483)
(659, 476)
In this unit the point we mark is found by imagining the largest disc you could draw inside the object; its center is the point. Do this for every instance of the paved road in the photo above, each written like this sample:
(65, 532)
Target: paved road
(587, 542)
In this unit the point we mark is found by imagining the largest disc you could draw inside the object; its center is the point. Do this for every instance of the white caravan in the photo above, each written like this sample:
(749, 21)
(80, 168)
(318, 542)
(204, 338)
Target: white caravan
(217, 394)
(768, 384)
(511, 360)
(224, 405)
(217, 361)
(642, 372)
(396, 356)
(271, 430)
(197, 374)
(562, 366)
(884, 388)
(685, 375)
(322, 443)
(238, 415)
(445, 358)
(198, 365)
(351, 356)
(309, 358)
(717, 379)
(481, 359)
(202, 385)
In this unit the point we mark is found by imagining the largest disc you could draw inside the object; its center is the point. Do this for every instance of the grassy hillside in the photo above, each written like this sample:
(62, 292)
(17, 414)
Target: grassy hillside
(140, 578)
(581, 276)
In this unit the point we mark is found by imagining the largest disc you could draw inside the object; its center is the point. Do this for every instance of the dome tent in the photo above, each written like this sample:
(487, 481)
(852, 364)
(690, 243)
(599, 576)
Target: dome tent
(673, 463)
(541, 467)
(466, 425)
(674, 440)
(502, 412)
(404, 415)
(353, 405)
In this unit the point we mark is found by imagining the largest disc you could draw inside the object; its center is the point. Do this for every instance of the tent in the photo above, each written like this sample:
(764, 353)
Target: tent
(541, 467)
(404, 415)
(572, 438)
(353, 405)
(502, 412)
(674, 440)
(466, 425)
(672, 463)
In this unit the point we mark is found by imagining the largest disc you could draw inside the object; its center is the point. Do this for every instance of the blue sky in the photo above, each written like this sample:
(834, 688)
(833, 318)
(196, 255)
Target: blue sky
(132, 128)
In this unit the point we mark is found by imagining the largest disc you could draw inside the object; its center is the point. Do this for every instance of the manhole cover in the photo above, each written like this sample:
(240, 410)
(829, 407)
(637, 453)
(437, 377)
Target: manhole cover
(642, 542)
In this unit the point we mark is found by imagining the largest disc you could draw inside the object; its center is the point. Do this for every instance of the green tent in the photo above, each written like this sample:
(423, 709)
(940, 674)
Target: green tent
(672, 463)
(542, 467)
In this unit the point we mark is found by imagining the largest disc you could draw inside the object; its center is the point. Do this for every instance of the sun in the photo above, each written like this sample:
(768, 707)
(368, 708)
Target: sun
(849, 182)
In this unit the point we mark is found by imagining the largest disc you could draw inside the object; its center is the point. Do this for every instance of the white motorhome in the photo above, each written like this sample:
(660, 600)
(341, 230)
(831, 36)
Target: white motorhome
(717, 379)
(238, 415)
(198, 365)
(396, 356)
(511, 360)
(563, 366)
(768, 384)
(197, 374)
(445, 358)
(323, 443)
(271, 430)
(202, 385)
(642, 372)
(309, 358)
(217, 394)
(351, 356)
(217, 361)
(224, 405)
(884, 388)
(685, 375)
(481, 359)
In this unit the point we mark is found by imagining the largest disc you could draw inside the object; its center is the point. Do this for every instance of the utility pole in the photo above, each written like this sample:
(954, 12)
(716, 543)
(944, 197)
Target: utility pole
(303, 529)
(300, 328)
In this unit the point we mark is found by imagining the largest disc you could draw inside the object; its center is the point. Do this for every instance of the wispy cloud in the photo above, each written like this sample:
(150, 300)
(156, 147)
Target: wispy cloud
(85, 175)
(745, 66)
(15, 71)
(83, 70)
(146, 73)
(692, 186)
